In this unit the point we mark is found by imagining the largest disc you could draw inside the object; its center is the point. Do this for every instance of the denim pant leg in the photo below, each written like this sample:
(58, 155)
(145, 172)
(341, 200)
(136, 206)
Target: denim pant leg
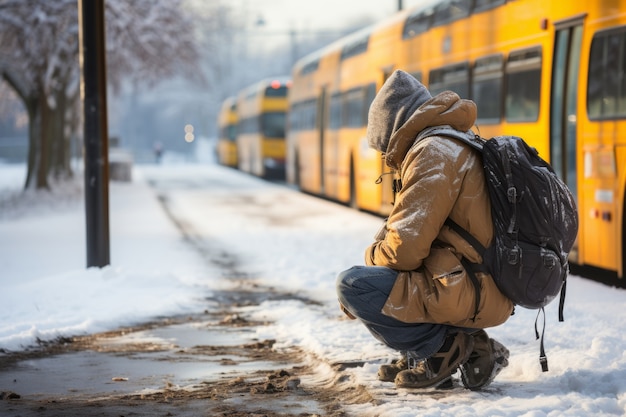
(363, 291)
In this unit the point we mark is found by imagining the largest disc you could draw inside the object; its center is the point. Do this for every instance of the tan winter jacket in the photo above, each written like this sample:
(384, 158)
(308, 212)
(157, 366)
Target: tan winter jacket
(441, 178)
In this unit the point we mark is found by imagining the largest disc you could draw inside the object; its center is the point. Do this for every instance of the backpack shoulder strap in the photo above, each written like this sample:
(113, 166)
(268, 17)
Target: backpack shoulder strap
(471, 268)
(468, 137)
(467, 236)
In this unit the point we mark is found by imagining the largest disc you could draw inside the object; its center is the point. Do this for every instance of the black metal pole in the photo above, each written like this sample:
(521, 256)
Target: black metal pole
(400, 7)
(96, 139)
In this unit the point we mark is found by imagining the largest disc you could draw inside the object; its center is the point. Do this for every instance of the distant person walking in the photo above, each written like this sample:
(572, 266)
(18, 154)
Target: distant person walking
(158, 152)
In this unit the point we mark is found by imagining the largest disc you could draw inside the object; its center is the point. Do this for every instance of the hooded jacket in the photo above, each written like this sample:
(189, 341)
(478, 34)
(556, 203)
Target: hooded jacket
(441, 177)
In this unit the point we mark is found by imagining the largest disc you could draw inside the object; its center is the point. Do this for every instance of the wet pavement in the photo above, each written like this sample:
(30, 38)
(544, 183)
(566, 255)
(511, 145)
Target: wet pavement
(210, 363)
(207, 364)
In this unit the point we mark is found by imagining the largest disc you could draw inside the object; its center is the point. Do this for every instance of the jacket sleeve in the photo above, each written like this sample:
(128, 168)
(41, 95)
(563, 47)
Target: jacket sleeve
(432, 177)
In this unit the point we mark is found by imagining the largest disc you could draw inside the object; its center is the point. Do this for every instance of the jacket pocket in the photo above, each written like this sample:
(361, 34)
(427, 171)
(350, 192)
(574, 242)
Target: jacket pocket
(453, 298)
(442, 265)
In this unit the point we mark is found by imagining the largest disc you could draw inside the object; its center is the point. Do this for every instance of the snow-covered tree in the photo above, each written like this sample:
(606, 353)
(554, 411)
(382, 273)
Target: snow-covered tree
(146, 39)
(151, 40)
(38, 44)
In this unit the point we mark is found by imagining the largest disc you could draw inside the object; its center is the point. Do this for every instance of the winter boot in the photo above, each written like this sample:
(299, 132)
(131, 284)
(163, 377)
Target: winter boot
(486, 361)
(440, 366)
(388, 372)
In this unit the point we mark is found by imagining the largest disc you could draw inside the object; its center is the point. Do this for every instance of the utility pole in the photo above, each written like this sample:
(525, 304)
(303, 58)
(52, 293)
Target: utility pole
(96, 137)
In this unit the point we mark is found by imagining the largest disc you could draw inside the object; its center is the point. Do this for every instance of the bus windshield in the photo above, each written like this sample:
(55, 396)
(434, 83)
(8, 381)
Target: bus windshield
(273, 124)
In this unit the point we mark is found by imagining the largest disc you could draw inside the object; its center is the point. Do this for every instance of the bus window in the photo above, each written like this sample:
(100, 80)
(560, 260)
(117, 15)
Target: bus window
(453, 77)
(310, 67)
(276, 91)
(418, 22)
(354, 107)
(302, 115)
(417, 75)
(370, 93)
(335, 111)
(231, 132)
(523, 84)
(482, 5)
(606, 89)
(354, 48)
(248, 125)
(487, 88)
(310, 114)
(449, 11)
(273, 124)
(293, 120)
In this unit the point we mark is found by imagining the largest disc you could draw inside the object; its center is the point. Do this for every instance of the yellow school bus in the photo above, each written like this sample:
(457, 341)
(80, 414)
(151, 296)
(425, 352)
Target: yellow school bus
(261, 112)
(227, 129)
(550, 72)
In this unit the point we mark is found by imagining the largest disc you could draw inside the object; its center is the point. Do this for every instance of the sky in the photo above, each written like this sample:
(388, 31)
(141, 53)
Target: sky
(272, 21)
(318, 14)
(300, 243)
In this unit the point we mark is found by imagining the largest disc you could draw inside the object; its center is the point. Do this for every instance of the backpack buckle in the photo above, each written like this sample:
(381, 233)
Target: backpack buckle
(549, 262)
(511, 193)
(514, 256)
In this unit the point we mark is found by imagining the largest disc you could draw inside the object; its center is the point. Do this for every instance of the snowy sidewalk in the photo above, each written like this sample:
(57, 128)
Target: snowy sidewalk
(297, 243)
(48, 291)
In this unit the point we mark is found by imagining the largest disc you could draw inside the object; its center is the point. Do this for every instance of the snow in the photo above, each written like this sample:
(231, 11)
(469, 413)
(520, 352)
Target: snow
(276, 237)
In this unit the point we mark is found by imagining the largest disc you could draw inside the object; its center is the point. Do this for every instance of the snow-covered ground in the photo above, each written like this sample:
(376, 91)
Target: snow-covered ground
(300, 244)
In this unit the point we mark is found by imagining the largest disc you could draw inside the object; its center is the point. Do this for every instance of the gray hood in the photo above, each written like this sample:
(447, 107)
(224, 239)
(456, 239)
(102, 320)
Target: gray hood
(399, 97)
(403, 108)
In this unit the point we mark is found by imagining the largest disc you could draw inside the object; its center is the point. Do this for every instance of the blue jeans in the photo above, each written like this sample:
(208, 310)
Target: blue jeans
(363, 291)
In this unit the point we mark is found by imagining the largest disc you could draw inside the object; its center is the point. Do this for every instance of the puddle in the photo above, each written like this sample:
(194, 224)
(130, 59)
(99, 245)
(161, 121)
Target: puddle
(279, 405)
(170, 359)
(187, 335)
(199, 366)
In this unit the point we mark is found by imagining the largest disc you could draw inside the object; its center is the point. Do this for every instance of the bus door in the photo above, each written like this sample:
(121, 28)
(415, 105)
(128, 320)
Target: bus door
(563, 103)
(321, 128)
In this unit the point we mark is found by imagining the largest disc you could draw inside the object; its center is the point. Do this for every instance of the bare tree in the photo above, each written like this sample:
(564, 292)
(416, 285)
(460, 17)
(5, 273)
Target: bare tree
(151, 40)
(38, 44)
(146, 39)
